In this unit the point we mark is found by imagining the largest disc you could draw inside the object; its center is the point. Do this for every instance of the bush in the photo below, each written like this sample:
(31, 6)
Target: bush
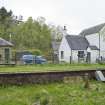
(36, 52)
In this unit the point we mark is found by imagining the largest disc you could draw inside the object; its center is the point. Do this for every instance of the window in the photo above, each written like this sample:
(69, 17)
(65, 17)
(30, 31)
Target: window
(81, 54)
(62, 54)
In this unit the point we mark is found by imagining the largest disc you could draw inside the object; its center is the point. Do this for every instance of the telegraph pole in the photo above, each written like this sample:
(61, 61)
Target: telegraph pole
(99, 45)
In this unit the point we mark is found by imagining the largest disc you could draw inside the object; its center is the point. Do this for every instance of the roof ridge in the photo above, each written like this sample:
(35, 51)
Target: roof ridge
(93, 29)
(94, 26)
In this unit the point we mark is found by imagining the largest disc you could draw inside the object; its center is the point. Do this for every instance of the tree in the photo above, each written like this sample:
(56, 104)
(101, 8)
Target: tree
(32, 34)
(56, 32)
(6, 22)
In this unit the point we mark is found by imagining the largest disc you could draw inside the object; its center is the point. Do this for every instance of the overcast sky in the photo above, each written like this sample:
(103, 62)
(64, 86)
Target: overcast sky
(75, 14)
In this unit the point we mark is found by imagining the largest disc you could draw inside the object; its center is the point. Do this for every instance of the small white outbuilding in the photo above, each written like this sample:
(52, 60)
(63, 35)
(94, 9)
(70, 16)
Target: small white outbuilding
(76, 49)
(5, 51)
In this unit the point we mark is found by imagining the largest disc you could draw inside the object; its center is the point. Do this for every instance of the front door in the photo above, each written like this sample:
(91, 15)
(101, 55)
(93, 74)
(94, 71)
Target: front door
(7, 55)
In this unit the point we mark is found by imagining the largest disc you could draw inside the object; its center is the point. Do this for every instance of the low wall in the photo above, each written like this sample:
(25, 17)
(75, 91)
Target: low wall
(34, 78)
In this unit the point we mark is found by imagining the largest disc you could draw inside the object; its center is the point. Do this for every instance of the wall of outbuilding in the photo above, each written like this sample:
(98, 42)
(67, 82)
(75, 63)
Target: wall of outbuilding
(94, 55)
(2, 53)
(75, 55)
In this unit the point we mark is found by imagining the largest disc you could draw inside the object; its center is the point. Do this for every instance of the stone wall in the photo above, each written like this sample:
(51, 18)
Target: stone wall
(42, 77)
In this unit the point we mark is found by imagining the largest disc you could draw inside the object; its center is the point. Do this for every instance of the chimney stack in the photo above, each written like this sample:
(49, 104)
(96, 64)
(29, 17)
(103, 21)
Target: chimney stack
(65, 28)
(64, 31)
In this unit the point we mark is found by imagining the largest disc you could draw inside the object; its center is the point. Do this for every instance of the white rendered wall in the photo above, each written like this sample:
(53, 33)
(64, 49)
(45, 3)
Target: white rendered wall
(94, 55)
(94, 40)
(75, 55)
(67, 51)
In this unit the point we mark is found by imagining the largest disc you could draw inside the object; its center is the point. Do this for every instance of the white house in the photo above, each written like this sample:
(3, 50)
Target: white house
(88, 46)
(73, 48)
(76, 49)
(96, 36)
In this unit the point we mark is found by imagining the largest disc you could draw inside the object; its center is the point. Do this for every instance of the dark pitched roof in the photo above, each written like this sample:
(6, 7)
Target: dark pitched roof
(4, 43)
(93, 47)
(77, 42)
(92, 30)
(55, 45)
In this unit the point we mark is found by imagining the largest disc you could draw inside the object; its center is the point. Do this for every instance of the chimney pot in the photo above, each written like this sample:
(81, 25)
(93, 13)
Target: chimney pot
(64, 27)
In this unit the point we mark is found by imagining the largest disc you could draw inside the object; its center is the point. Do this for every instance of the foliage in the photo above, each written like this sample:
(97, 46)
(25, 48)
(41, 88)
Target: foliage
(36, 52)
(6, 23)
(31, 34)
(53, 94)
(56, 32)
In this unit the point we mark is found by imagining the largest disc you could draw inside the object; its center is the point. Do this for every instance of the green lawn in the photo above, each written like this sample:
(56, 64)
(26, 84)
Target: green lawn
(50, 67)
(72, 93)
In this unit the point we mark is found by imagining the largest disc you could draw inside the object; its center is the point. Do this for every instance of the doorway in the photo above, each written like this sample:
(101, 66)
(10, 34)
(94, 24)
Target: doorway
(81, 56)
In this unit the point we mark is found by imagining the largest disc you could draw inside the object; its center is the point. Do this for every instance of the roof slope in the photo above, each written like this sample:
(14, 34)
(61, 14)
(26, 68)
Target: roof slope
(77, 42)
(94, 47)
(4, 43)
(92, 30)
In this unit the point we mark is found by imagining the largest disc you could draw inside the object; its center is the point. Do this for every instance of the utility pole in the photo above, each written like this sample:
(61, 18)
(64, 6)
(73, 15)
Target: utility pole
(99, 45)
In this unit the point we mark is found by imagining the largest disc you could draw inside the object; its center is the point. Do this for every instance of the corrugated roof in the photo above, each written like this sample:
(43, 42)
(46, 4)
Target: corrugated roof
(4, 43)
(92, 30)
(77, 42)
(93, 47)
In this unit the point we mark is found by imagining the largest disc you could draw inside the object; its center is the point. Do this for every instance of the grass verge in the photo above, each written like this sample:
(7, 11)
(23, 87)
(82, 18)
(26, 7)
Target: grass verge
(50, 67)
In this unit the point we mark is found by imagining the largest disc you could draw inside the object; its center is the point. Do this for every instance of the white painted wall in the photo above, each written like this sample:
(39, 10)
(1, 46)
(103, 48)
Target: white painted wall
(94, 55)
(75, 55)
(94, 40)
(67, 50)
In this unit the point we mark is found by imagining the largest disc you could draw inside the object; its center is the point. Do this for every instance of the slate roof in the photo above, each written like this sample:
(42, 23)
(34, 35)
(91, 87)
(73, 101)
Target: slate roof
(4, 43)
(77, 42)
(92, 30)
(93, 47)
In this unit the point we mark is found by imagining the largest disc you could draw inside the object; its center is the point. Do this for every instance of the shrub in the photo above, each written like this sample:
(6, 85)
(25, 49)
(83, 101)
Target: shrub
(36, 52)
